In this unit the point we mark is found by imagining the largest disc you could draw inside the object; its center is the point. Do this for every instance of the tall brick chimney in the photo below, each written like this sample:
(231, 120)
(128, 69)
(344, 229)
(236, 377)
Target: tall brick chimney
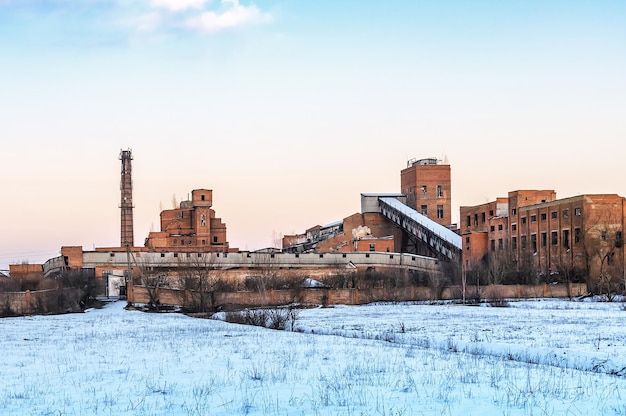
(126, 205)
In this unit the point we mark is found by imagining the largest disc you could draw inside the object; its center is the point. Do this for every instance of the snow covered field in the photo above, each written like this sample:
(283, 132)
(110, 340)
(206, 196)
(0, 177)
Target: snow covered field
(548, 357)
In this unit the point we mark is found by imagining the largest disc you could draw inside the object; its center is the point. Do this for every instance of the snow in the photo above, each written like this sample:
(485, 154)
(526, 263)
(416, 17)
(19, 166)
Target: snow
(548, 357)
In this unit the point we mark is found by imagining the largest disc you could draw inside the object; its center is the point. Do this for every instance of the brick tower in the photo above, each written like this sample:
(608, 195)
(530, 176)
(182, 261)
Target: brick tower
(427, 186)
(126, 204)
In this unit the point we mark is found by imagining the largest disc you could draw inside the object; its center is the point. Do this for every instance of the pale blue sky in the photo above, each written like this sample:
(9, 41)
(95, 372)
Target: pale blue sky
(289, 109)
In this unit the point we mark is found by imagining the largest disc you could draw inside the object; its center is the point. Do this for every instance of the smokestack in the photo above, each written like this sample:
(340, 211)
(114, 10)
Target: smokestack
(126, 204)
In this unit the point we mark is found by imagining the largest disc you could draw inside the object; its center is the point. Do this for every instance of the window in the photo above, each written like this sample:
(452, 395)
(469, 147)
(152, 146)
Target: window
(493, 245)
(499, 227)
(188, 254)
(513, 227)
(175, 254)
(162, 254)
(578, 211)
(566, 239)
(491, 213)
(555, 238)
(439, 211)
(202, 197)
(544, 239)
(523, 220)
(609, 259)
(372, 247)
(604, 235)
(554, 215)
(618, 239)
(424, 191)
(482, 217)
(577, 235)
(175, 242)
(514, 211)
(523, 242)
(476, 220)
(439, 191)
(514, 243)
(424, 209)
(533, 218)
(215, 239)
(204, 242)
(467, 240)
(492, 228)
(533, 242)
(500, 244)
(566, 213)
(544, 216)
(469, 221)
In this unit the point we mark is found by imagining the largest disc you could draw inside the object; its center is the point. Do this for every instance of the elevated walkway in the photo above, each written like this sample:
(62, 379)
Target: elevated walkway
(442, 242)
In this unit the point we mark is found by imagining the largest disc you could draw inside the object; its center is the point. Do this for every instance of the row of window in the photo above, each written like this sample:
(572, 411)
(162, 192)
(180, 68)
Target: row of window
(424, 210)
(553, 215)
(182, 241)
(425, 191)
(533, 218)
(554, 240)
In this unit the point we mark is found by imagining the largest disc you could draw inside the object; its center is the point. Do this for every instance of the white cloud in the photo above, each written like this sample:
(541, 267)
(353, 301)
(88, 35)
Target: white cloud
(232, 15)
(178, 5)
(148, 21)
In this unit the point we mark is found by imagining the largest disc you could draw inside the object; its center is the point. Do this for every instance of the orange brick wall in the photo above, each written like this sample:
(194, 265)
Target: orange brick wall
(413, 178)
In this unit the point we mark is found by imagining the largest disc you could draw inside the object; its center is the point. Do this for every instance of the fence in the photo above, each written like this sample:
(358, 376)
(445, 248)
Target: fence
(324, 296)
(40, 302)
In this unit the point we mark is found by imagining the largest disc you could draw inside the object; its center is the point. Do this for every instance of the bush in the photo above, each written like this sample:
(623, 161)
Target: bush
(278, 318)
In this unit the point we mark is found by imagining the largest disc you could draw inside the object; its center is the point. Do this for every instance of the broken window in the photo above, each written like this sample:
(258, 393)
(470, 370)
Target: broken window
(439, 211)
(439, 191)
(514, 243)
(424, 209)
(566, 239)
(424, 191)
(555, 238)
(533, 242)
(577, 235)
(544, 239)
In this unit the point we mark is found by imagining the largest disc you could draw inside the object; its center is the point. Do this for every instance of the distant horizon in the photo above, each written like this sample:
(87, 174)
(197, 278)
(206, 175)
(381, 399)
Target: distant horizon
(290, 110)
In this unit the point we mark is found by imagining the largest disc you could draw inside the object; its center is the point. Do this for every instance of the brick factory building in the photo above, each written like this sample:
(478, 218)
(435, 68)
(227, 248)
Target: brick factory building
(542, 237)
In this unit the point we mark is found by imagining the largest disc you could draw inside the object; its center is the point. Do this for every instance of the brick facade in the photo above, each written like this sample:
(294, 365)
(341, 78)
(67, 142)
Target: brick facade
(427, 186)
(191, 227)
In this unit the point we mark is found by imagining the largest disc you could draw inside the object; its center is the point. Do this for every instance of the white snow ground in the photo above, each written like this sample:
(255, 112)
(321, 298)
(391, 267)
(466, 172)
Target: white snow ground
(375, 360)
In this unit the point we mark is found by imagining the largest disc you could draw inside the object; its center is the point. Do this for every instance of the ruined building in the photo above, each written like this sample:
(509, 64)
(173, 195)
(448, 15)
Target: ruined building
(191, 227)
(576, 238)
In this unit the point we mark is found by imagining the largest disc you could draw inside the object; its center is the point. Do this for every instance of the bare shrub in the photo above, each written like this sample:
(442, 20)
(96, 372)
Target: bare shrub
(277, 318)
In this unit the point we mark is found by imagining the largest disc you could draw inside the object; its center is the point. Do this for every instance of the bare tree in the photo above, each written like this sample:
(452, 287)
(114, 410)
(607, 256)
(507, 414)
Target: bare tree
(198, 275)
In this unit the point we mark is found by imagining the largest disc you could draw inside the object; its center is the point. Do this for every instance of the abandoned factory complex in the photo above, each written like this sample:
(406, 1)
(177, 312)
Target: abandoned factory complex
(524, 237)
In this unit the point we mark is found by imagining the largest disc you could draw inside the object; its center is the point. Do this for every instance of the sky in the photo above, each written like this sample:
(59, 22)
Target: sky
(289, 110)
